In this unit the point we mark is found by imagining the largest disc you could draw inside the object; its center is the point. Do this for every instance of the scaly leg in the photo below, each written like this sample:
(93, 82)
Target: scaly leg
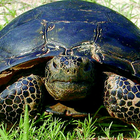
(27, 90)
(122, 99)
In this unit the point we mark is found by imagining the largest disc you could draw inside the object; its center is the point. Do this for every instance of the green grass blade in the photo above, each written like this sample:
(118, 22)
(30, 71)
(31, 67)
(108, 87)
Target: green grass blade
(26, 124)
(3, 135)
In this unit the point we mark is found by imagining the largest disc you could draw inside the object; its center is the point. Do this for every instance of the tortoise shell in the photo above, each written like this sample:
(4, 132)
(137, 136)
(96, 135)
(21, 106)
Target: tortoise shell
(79, 28)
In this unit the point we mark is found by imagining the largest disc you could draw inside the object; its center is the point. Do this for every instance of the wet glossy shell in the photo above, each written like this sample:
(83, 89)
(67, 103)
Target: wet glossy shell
(70, 27)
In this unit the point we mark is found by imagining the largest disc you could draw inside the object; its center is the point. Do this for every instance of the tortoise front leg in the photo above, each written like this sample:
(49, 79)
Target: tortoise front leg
(122, 99)
(27, 90)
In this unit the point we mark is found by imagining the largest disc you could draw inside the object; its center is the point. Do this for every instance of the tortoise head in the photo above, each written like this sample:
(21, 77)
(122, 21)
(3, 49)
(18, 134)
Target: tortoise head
(69, 77)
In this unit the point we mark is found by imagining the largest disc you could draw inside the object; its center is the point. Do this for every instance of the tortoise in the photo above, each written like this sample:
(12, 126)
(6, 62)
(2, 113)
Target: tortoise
(67, 58)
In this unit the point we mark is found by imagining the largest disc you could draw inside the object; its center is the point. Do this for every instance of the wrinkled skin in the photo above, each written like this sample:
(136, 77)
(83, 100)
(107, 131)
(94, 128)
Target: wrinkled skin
(69, 77)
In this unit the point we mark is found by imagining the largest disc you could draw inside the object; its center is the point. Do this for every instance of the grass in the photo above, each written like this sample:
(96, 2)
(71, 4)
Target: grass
(55, 128)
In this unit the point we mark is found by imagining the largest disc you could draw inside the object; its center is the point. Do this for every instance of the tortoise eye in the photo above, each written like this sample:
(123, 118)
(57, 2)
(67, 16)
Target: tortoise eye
(55, 65)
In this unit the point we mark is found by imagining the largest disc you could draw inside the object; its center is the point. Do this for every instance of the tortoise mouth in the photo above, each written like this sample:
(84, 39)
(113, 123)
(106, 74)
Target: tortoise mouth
(71, 81)
(72, 85)
(66, 90)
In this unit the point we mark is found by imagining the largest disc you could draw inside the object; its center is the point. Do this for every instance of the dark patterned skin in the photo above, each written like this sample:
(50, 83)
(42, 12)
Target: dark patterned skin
(122, 99)
(27, 90)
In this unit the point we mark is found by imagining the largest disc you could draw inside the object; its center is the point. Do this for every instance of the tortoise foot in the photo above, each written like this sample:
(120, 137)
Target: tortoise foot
(63, 110)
